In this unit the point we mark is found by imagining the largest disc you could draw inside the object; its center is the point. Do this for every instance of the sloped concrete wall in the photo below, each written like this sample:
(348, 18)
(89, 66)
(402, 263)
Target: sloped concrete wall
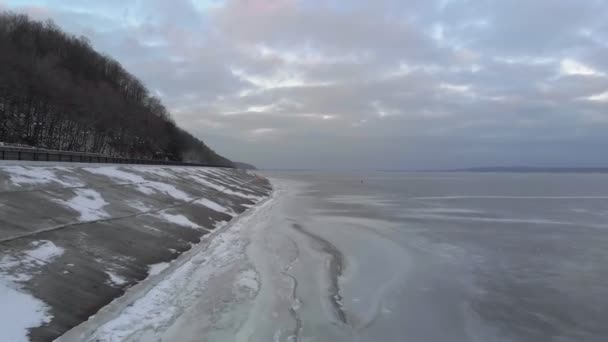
(105, 228)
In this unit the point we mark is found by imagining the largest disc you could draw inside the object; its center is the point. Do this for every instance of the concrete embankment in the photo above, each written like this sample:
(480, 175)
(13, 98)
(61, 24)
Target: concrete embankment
(73, 238)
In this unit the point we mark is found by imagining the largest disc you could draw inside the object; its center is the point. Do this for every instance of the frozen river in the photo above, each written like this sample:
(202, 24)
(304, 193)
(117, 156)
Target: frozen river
(392, 257)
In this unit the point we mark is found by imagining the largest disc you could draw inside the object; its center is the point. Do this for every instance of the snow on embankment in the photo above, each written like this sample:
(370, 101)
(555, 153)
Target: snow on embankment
(73, 238)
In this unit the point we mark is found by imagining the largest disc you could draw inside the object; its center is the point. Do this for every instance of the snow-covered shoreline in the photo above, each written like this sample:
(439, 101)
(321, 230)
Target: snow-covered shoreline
(20, 310)
(153, 303)
(109, 227)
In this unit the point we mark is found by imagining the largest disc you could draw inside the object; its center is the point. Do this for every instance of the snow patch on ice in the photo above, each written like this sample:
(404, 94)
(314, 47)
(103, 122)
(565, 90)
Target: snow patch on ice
(221, 179)
(219, 224)
(21, 175)
(220, 188)
(214, 206)
(139, 206)
(152, 228)
(88, 203)
(115, 279)
(179, 219)
(23, 265)
(243, 195)
(386, 311)
(157, 268)
(169, 190)
(116, 174)
(19, 312)
(204, 182)
(224, 189)
(248, 280)
(297, 304)
(143, 185)
(157, 171)
(44, 251)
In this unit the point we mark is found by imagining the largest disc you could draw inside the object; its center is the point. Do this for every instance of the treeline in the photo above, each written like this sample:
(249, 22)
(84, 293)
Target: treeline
(57, 92)
(244, 166)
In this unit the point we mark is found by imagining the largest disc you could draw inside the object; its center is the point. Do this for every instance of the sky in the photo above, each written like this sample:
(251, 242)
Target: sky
(376, 84)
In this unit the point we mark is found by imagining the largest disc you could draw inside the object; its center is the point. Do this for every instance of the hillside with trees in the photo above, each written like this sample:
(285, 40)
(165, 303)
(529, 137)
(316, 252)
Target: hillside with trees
(57, 92)
(244, 166)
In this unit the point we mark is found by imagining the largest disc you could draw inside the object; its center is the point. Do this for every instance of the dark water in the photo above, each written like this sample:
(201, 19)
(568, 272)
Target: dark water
(494, 257)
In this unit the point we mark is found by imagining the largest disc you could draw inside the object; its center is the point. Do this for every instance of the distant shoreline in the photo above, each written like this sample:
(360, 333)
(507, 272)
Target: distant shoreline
(528, 169)
(505, 169)
(525, 169)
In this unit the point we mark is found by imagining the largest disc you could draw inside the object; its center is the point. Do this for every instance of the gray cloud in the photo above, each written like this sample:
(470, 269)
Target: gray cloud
(367, 84)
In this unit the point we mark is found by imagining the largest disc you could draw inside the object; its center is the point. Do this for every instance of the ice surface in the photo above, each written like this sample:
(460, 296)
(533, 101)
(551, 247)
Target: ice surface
(507, 197)
(442, 210)
(513, 220)
(248, 280)
(157, 268)
(359, 200)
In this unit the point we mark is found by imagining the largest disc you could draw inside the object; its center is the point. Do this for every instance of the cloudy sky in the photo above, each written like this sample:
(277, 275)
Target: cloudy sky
(389, 84)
